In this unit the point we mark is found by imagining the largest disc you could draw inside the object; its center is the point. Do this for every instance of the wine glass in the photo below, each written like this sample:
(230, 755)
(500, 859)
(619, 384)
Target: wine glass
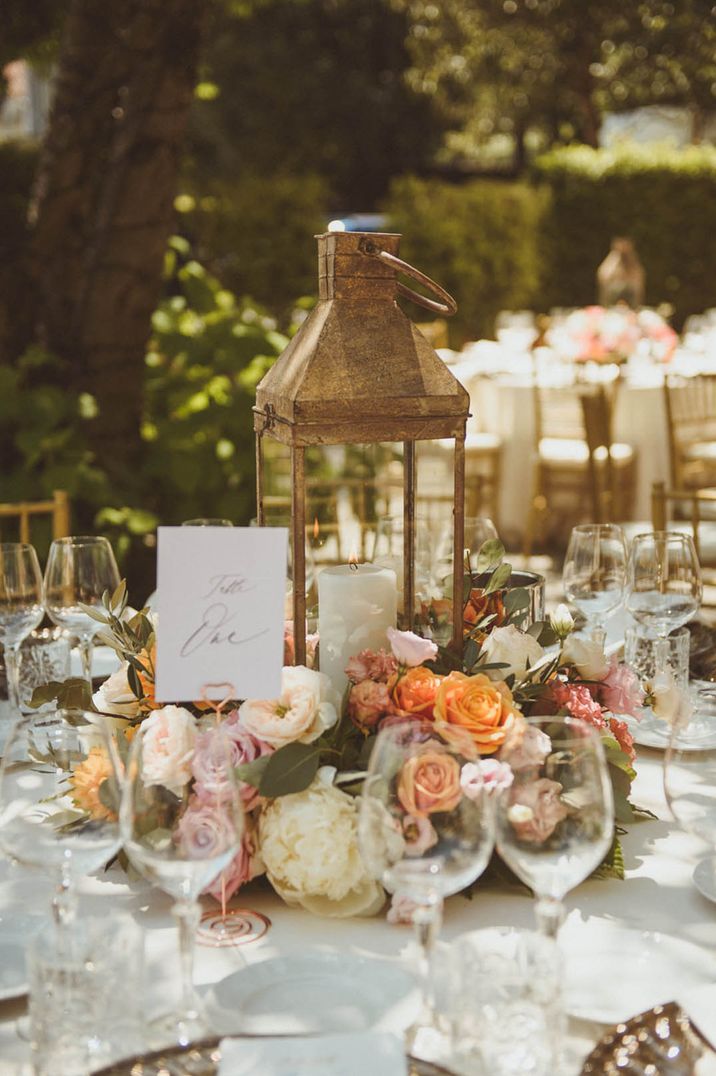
(21, 607)
(59, 797)
(80, 569)
(664, 581)
(180, 833)
(206, 522)
(595, 573)
(555, 823)
(425, 827)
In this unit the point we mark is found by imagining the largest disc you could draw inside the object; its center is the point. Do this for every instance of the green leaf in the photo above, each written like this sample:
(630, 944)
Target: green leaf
(72, 694)
(134, 682)
(612, 866)
(120, 595)
(491, 554)
(252, 772)
(108, 793)
(290, 769)
(499, 577)
(516, 600)
(95, 614)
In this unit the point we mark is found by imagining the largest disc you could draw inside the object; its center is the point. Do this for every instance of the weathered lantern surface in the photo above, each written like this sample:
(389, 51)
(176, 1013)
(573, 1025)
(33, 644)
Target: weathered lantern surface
(358, 371)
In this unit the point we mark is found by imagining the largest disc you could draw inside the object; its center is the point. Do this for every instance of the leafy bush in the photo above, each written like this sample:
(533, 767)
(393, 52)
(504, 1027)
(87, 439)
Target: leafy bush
(664, 199)
(478, 240)
(17, 168)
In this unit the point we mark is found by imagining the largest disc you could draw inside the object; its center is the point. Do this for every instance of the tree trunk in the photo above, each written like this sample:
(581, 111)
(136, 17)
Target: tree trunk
(103, 205)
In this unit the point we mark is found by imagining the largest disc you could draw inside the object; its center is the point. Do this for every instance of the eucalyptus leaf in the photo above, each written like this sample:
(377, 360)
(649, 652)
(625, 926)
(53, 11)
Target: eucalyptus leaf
(499, 577)
(252, 772)
(491, 554)
(72, 694)
(290, 769)
(134, 682)
(516, 600)
(120, 594)
(108, 793)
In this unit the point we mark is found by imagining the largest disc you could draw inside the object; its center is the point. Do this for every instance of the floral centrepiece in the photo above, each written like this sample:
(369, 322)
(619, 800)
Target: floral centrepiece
(301, 758)
(613, 334)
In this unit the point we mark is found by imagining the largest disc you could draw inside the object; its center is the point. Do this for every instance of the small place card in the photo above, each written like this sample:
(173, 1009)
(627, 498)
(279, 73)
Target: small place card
(220, 603)
(377, 1053)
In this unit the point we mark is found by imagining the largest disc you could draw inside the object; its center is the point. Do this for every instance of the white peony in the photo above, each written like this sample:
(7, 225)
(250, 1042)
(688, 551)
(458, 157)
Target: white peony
(115, 696)
(308, 705)
(587, 656)
(309, 844)
(168, 740)
(668, 701)
(518, 650)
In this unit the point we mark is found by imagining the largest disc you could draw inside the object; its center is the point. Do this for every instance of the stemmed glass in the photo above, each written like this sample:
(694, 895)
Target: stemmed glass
(79, 571)
(182, 824)
(425, 827)
(59, 797)
(21, 607)
(555, 823)
(664, 583)
(690, 790)
(595, 573)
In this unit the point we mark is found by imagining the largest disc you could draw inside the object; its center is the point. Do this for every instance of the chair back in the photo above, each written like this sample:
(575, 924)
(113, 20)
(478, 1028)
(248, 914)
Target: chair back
(597, 417)
(698, 502)
(690, 404)
(22, 513)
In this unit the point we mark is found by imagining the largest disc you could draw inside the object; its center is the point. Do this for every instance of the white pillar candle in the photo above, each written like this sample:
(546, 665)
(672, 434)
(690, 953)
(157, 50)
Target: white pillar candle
(356, 606)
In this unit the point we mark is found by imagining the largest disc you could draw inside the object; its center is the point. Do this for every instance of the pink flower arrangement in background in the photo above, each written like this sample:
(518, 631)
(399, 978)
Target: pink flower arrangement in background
(613, 334)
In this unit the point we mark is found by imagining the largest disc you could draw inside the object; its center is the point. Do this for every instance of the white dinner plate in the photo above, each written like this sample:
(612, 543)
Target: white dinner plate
(704, 877)
(318, 992)
(650, 732)
(613, 972)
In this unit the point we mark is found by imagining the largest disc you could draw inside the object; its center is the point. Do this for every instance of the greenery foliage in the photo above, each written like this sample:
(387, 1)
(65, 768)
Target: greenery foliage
(18, 161)
(664, 199)
(478, 240)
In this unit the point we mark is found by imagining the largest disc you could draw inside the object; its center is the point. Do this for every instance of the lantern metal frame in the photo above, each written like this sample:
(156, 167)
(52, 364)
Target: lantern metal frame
(358, 371)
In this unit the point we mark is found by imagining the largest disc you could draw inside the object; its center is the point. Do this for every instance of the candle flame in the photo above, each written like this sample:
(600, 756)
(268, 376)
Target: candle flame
(353, 560)
(316, 528)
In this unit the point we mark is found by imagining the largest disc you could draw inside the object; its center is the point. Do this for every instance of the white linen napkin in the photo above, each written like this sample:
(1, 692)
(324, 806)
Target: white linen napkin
(378, 1053)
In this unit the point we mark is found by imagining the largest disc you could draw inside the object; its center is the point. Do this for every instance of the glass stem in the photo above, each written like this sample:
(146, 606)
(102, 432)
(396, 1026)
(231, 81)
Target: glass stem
(85, 647)
(12, 669)
(427, 921)
(550, 915)
(64, 901)
(187, 913)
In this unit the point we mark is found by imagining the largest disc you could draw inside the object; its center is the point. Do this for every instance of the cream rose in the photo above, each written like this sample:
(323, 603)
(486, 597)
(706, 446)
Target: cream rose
(115, 696)
(308, 705)
(168, 739)
(515, 648)
(668, 701)
(587, 657)
(309, 845)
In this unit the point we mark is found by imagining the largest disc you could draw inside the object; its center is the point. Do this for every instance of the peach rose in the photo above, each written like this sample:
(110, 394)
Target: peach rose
(429, 781)
(85, 783)
(414, 693)
(367, 703)
(480, 706)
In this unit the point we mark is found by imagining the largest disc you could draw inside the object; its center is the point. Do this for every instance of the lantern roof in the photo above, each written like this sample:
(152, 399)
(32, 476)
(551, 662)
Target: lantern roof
(358, 369)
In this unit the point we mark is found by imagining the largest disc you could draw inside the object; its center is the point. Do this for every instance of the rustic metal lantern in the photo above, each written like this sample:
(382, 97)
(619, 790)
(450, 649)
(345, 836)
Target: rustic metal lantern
(359, 372)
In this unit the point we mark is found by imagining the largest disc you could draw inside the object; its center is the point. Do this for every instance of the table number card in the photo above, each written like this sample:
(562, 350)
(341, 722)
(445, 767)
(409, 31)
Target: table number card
(221, 611)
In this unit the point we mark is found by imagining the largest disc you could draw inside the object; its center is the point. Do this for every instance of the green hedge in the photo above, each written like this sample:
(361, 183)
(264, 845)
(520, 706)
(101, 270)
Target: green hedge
(478, 240)
(662, 198)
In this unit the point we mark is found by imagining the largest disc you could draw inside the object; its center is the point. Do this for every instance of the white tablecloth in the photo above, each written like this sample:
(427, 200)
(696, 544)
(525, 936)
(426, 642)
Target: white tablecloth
(658, 894)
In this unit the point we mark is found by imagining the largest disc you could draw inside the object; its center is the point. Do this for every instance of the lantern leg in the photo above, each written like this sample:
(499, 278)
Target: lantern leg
(260, 512)
(298, 545)
(458, 568)
(409, 533)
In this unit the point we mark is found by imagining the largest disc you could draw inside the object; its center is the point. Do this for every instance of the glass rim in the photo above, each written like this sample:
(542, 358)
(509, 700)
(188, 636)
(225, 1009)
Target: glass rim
(596, 528)
(587, 731)
(24, 546)
(681, 536)
(81, 539)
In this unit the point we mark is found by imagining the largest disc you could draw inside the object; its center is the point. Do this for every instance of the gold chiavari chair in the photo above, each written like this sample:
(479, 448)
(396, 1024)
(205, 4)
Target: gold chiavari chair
(691, 425)
(579, 471)
(21, 514)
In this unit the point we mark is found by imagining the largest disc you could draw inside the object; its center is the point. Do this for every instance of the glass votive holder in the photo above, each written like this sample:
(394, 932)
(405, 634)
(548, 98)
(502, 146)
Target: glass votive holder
(85, 994)
(508, 1017)
(647, 654)
(44, 656)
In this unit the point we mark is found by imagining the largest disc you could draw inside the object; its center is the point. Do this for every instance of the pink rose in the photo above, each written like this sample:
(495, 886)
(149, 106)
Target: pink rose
(289, 646)
(578, 700)
(368, 701)
(527, 746)
(429, 781)
(488, 775)
(420, 835)
(401, 911)
(623, 737)
(409, 648)
(376, 665)
(206, 831)
(245, 866)
(247, 749)
(621, 691)
(536, 809)
(215, 756)
(168, 738)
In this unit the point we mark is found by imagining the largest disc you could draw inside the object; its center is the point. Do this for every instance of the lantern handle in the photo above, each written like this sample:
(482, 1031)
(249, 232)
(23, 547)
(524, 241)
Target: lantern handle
(448, 306)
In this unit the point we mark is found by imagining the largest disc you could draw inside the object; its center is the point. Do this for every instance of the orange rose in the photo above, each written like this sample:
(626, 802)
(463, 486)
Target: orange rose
(480, 706)
(480, 605)
(85, 784)
(429, 782)
(413, 694)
